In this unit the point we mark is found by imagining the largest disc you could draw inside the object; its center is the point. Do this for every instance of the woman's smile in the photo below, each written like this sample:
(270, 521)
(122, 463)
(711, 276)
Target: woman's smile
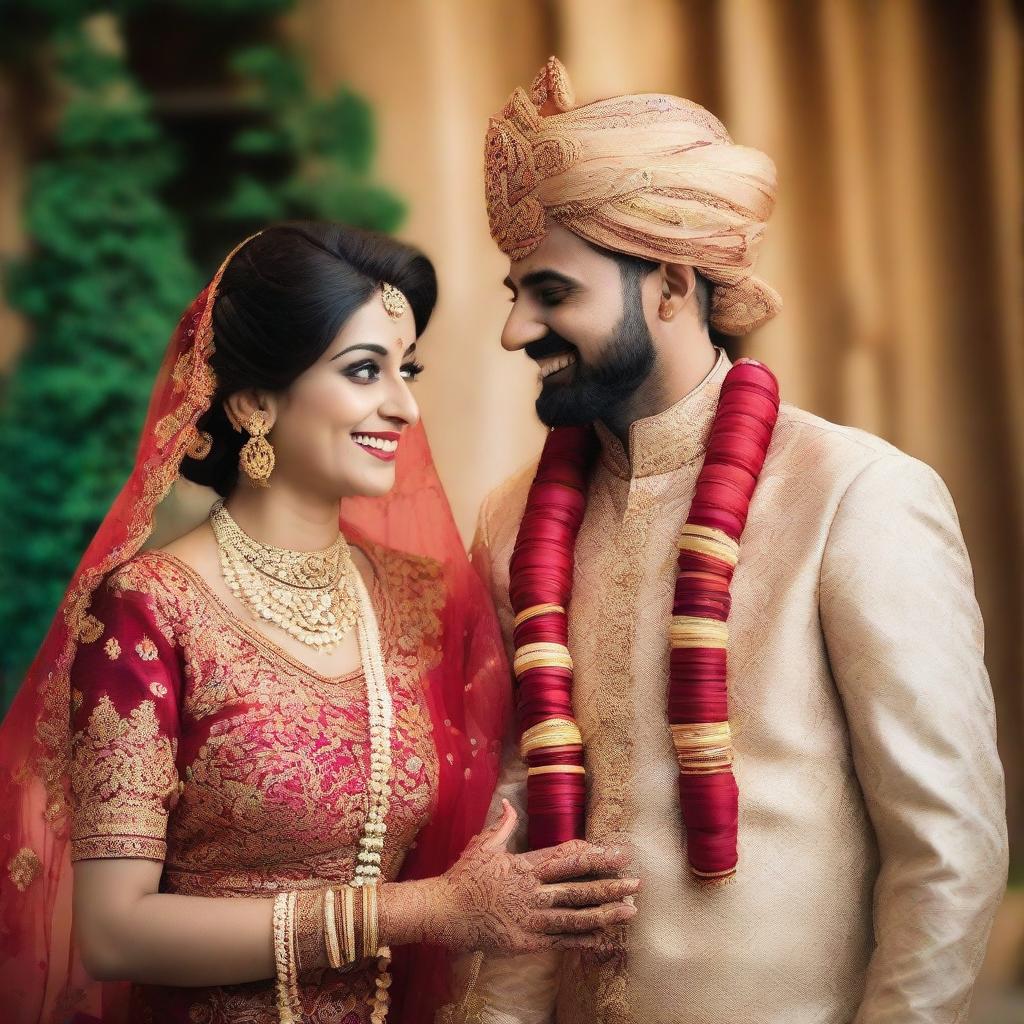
(380, 444)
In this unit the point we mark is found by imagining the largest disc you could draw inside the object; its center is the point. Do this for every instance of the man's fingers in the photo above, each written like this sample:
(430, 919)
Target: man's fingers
(576, 859)
(587, 893)
(568, 921)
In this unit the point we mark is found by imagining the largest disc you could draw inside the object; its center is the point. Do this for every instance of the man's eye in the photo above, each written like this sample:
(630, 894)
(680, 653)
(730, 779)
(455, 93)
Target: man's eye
(363, 371)
(552, 297)
(410, 371)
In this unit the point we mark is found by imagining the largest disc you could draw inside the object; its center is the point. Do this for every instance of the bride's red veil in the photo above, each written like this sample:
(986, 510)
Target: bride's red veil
(41, 975)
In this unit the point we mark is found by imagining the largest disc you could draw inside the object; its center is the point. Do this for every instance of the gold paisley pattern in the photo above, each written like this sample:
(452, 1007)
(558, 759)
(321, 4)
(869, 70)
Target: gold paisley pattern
(263, 783)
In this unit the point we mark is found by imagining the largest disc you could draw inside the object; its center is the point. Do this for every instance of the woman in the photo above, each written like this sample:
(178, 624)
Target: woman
(243, 740)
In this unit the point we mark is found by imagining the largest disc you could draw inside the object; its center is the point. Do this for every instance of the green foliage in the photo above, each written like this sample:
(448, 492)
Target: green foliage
(328, 144)
(104, 285)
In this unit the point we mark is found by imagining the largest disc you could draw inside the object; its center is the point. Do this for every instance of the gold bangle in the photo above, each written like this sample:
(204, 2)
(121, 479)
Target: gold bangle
(370, 944)
(309, 932)
(349, 923)
(548, 769)
(289, 1005)
(331, 931)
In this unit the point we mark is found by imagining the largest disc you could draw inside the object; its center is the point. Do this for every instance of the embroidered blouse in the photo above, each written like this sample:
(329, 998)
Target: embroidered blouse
(200, 743)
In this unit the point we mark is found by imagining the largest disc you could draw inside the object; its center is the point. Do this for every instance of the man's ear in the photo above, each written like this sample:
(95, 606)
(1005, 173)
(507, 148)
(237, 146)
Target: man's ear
(678, 288)
(240, 406)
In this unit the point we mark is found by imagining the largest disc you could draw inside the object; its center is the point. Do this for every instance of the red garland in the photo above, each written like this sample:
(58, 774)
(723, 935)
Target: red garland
(541, 574)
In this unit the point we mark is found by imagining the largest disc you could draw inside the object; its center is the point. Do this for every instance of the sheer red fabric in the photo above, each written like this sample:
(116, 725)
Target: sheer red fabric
(41, 975)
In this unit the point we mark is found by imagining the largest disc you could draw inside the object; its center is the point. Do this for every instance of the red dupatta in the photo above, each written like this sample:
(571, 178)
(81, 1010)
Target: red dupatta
(41, 974)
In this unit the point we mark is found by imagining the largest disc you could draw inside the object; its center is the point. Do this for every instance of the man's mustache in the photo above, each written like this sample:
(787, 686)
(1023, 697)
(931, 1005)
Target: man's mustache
(550, 345)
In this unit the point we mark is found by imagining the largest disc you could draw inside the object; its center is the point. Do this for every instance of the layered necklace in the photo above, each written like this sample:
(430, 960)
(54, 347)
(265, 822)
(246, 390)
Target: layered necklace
(541, 577)
(311, 595)
(317, 597)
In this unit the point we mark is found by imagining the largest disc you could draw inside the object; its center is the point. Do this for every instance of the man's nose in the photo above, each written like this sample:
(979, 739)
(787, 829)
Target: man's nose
(520, 329)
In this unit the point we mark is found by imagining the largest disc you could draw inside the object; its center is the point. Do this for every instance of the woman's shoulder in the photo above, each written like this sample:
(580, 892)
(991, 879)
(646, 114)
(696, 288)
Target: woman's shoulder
(402, 573)
(152, 573)
(413, 587)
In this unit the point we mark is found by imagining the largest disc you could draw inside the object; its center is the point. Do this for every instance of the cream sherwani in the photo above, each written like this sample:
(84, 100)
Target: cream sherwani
(872, 841)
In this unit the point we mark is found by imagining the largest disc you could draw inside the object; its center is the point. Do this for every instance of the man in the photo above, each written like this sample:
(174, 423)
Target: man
(871, 835)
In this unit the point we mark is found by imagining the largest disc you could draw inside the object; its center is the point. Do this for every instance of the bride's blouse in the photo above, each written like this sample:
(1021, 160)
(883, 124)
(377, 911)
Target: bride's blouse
(199, 742)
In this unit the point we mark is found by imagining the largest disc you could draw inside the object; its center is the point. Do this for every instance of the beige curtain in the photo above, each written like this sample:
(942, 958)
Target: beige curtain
(895, 125)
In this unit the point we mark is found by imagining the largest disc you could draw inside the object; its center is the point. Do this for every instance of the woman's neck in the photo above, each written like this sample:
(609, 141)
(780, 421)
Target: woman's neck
(280, 518)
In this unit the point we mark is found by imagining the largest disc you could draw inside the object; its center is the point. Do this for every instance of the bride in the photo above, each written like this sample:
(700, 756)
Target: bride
(246, 768)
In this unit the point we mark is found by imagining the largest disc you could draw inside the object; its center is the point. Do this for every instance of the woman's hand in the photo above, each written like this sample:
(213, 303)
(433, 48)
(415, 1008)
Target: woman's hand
(507, 903)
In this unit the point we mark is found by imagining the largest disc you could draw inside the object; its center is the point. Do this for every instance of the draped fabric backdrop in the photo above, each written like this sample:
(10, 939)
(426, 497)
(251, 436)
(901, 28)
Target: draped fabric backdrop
(896, 128)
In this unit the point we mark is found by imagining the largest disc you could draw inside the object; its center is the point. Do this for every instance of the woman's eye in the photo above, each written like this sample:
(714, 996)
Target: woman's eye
(363, 371)
(410, 371)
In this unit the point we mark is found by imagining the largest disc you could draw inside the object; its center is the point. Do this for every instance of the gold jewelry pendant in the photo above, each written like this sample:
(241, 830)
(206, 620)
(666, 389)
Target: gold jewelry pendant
(256, 459)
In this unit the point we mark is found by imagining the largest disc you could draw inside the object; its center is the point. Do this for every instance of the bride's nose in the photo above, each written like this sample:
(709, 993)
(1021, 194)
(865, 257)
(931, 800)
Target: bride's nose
(399, 406)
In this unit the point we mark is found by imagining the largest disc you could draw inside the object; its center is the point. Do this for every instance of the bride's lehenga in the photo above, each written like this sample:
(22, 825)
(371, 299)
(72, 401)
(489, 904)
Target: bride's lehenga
(156, 724)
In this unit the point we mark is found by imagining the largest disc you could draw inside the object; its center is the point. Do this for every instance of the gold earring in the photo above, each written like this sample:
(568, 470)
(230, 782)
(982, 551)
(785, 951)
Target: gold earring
(256, 459)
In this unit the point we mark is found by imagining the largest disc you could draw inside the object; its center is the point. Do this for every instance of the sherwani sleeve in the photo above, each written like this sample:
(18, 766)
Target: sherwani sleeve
(516, 989)
(905, 640)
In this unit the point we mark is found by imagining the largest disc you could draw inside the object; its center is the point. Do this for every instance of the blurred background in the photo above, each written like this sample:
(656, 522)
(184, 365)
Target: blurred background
(139, 141)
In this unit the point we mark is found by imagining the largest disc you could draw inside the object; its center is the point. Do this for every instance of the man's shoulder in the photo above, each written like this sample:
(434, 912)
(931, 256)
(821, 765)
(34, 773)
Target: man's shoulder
(503, 507)
(805, 432)
(831, 456)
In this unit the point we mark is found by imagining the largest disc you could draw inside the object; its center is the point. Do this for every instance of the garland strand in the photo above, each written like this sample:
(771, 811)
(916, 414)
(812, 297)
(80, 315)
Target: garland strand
(541, 586)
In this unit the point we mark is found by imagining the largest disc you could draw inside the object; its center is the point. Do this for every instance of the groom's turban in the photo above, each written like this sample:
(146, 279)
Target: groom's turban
(649, 175)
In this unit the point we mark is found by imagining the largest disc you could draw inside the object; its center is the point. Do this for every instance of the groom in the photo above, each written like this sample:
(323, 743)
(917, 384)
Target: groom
(869, 853)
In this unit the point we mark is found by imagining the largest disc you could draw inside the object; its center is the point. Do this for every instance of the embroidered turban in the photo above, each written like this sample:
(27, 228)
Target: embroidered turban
(649, 175)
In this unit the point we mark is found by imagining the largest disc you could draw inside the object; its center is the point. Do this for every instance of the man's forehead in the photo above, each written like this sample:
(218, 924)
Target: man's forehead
(561, 252)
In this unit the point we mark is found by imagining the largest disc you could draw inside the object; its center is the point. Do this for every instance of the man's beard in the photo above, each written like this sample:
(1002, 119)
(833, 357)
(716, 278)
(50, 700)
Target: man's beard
(601, 391)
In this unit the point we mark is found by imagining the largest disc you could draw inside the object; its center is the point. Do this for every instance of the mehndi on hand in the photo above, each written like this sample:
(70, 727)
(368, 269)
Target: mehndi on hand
(506, 903)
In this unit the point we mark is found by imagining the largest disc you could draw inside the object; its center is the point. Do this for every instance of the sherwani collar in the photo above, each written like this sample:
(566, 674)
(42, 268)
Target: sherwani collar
(672, 438)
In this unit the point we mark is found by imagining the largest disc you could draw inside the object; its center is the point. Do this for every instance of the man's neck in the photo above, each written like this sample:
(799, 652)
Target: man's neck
(671, 380)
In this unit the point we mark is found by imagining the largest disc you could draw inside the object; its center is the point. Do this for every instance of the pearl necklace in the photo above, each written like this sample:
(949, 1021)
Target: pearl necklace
(320, 594)
(308, 594)
(381, 720)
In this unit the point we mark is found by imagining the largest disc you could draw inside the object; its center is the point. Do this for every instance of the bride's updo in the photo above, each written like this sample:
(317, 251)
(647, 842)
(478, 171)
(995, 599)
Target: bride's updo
(282, 301)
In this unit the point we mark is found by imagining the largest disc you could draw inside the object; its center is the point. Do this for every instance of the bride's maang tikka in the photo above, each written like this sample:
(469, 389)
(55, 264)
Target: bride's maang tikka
(395, 303)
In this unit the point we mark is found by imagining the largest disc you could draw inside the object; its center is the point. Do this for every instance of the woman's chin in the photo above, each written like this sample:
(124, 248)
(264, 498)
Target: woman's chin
(371, 485)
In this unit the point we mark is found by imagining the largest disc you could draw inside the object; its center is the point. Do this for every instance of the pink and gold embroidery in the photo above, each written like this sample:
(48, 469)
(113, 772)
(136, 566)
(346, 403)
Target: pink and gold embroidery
(122, 777)
(113, 648)
(24, 868)
(91, 629)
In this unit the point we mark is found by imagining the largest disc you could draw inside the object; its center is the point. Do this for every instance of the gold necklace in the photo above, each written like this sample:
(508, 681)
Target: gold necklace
(309, 594)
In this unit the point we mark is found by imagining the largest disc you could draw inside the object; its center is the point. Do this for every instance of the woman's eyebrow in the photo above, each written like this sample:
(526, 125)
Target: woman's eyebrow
(376, 349)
